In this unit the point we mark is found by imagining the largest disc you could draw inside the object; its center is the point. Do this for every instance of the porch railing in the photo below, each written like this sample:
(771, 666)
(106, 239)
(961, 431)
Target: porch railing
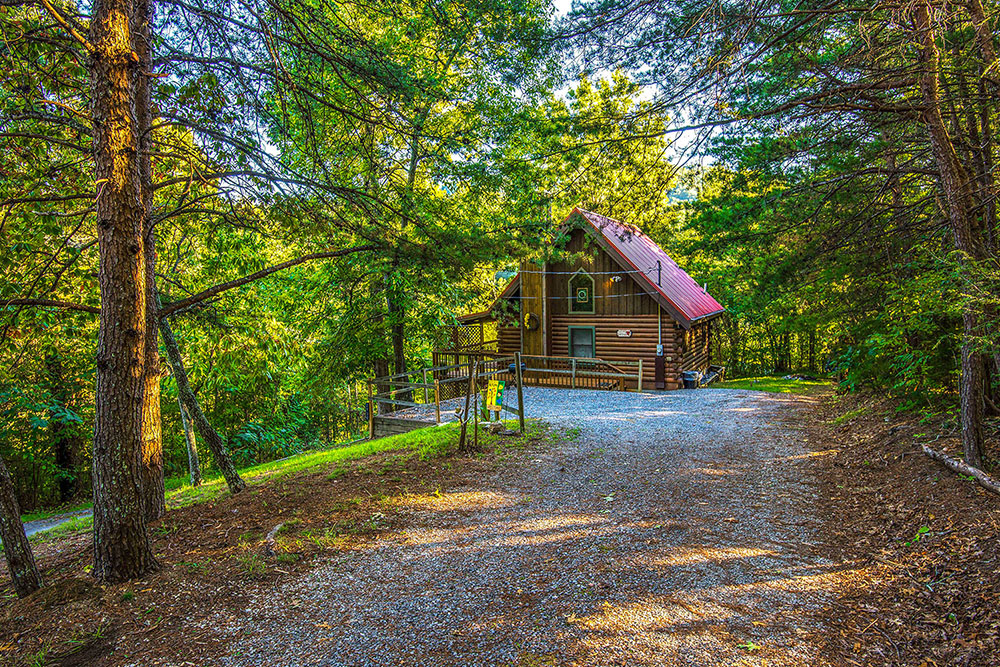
(429, 387)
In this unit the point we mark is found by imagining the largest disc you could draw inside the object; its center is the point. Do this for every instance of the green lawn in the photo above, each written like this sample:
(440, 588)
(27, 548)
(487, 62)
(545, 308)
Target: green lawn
(64, 509)
(426, 443)
(775, 384)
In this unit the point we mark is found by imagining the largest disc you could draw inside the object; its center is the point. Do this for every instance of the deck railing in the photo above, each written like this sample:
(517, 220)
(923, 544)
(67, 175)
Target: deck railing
(431, 386)
(389, 394)
(582, 373)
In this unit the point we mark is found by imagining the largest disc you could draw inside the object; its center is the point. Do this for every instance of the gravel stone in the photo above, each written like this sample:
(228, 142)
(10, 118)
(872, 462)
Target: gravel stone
(676, 528)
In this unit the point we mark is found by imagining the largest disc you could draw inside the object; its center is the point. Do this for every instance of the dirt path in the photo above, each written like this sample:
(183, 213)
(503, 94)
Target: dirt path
(48, 523)
(675, 529)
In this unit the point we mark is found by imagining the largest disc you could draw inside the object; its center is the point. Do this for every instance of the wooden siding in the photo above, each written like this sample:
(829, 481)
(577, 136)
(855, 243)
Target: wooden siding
(608, 346)
(531, 302)
(386, 426)
(622, 297)
(621, 304)
(695, 356)
(509, 340)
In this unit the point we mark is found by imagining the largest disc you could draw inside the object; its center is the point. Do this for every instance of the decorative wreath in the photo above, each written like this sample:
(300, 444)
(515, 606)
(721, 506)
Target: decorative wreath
(531, 321)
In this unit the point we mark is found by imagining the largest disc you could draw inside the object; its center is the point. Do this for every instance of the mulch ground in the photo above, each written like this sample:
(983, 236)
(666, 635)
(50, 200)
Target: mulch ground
(214, 558)
(926, 542)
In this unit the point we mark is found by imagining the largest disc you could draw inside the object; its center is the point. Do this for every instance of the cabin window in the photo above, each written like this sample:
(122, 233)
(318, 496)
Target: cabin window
(581, 342)
(581, 292)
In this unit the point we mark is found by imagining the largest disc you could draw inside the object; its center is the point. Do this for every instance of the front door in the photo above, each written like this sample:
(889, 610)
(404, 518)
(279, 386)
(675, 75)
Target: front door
(581, 342)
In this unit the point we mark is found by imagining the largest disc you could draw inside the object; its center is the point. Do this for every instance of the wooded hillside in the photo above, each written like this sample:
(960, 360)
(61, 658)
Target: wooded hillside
(219, 219)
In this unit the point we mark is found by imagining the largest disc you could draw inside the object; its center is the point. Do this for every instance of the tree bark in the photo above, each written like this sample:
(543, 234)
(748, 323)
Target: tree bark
(198, 418)
(122, 548)
(17, 549)
(981, 477)
(965, 226)
(397, 315)
(153, 492)
(194, 466)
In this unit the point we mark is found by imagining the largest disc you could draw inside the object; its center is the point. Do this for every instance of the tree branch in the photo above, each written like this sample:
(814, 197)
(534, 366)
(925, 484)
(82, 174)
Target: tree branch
(171, 308)
(175, 306)
(44, 303)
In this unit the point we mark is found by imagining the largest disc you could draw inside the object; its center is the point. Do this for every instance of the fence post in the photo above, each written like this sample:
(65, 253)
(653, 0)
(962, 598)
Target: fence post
(573, 382)
(425, 384)
(437, 401)
(475, 408)
(520, 390)
(371, 412)
(640, 375)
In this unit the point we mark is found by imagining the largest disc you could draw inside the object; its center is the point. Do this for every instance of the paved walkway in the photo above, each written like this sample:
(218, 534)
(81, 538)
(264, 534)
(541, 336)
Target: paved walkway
(677, 528)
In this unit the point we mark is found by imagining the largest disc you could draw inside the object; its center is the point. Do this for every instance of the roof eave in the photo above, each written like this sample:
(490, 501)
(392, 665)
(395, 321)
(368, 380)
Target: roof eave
(708, 316)
(646, 283)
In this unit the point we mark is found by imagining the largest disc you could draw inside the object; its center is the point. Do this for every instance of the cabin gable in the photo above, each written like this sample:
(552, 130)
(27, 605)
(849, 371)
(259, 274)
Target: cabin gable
(597, 302)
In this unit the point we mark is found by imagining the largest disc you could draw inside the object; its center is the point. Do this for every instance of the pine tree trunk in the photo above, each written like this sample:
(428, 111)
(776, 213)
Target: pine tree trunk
(122, 548)
(812, 350)
(17, 549)
(397, 314)
(381, 364)
(966, 229)
(153, 492)
(194, 466)
(198, 418)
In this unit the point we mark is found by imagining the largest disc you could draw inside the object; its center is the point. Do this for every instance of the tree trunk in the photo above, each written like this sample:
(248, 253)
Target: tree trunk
(397, 314)
(66, 440)
(382, 363)
(966, 229)
(17, 549)
(198, 418)
(122, 548)
(194, 466)
(153, 492)
(812, 350)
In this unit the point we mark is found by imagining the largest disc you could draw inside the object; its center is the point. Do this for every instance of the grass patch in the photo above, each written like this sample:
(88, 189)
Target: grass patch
(776, 385)
(55, 511)
(427, 443)
(850, 414)
(74, 526)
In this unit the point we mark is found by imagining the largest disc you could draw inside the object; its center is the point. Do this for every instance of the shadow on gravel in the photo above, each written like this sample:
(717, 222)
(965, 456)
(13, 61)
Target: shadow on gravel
(678, 529)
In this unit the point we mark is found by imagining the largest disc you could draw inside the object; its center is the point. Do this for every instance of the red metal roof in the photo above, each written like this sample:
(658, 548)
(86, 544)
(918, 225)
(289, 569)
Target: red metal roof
(653, 267)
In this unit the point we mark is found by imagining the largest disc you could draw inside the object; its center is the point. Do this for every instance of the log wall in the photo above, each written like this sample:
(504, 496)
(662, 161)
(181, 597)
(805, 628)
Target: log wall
(611, 297)
(509, 340)
(618, 304)
(608, 346)
(695, 345)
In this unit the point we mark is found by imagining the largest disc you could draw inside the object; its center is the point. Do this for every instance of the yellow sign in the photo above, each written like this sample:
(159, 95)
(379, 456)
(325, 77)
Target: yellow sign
(494, 395)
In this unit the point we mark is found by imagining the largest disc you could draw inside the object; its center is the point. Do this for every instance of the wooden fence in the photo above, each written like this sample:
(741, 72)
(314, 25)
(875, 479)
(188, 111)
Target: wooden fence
(424, 390)
(387, 396)
(570, 372)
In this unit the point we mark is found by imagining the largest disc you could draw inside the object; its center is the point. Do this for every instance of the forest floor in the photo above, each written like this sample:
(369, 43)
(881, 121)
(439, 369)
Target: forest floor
(717, 527)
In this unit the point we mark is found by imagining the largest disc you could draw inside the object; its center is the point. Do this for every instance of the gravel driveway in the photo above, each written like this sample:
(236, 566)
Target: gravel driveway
(678, 528)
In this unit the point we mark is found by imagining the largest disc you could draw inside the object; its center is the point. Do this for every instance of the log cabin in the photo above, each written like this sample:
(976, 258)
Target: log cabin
(614, 295)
